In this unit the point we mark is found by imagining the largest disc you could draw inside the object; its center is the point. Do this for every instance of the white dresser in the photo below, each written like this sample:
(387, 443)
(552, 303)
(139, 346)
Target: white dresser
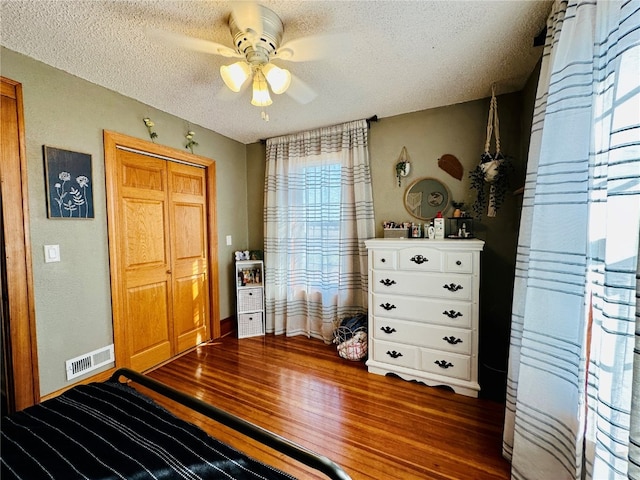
(423, 311)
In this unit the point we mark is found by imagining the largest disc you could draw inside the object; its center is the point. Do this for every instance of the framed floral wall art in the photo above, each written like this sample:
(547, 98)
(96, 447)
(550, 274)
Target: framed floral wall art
(69, 184)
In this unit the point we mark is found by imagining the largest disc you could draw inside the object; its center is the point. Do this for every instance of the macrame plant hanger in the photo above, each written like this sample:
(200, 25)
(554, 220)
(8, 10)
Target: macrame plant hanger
(490, 163)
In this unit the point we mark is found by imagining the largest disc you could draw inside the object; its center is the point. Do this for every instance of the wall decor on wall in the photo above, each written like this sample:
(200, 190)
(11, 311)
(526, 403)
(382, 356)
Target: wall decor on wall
(403, 166)
(426, 197)
(450, 164)
(69, 183)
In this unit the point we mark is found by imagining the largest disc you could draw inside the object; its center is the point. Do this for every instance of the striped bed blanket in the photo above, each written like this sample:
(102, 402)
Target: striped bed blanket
(111, 431)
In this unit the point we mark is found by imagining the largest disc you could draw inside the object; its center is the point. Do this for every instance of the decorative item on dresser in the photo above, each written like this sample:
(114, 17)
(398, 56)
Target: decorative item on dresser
(423, 311)
(250, 297)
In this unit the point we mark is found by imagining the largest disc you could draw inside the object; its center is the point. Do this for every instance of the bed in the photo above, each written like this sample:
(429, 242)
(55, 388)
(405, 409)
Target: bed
(109, 430)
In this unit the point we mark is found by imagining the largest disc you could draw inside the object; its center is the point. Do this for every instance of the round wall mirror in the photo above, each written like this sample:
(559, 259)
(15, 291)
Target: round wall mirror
(426, 197)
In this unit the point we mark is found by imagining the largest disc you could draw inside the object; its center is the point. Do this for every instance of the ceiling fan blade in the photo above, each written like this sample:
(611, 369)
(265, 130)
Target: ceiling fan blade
(248, 18)
(191, 43)
(300, 91)
(313, 47)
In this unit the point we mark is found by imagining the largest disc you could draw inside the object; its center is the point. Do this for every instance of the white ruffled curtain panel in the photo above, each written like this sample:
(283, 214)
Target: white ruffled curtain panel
(318, 212)
(573, 390)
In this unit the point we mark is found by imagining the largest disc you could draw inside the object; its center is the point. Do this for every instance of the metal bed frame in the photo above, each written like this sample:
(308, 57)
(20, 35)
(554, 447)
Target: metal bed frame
(272, 440)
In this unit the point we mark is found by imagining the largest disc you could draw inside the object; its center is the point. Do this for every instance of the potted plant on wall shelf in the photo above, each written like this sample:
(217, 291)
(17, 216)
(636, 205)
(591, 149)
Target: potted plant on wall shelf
(403, 167)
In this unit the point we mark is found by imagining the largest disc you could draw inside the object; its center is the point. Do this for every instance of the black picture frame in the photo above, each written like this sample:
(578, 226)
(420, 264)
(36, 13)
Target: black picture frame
(69, 184)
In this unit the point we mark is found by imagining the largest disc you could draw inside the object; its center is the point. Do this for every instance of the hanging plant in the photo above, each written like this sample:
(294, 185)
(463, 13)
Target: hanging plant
(490, 180)
(492, 173)
(403, 167)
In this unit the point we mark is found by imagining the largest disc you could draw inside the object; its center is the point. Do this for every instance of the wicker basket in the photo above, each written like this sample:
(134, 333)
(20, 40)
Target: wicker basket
(396, 233)
(250, 325)
(352, 344)
(250, 299)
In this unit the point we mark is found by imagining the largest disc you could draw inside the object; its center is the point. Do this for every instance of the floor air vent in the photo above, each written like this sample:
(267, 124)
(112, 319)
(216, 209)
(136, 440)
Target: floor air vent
(89, 361)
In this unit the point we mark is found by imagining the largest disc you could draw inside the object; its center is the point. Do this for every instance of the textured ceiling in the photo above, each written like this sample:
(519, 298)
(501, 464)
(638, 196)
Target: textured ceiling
(402, 56)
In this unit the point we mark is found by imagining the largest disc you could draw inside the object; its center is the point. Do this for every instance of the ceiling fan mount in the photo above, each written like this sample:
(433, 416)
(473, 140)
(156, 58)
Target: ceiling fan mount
(257, 43)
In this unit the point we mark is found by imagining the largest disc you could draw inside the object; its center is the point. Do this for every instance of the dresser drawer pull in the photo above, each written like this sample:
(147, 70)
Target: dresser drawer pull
(452, 340)
(394, 354)
(387, 306)
(387, 283)
(442, 363)
(383, 260)
(452, 314)
(388, 330)
(419, 259)
(452, 287)
(458, 262)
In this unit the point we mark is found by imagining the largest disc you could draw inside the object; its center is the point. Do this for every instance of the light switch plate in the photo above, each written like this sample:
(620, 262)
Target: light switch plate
(51, 253)
(229, 241)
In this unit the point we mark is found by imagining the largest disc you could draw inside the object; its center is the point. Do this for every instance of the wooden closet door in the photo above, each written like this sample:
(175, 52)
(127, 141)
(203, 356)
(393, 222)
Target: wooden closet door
(144, 242)
(188, 216)
(20, 388)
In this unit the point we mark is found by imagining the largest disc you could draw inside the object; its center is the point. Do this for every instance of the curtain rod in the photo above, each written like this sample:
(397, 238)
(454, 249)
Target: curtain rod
(368, 120)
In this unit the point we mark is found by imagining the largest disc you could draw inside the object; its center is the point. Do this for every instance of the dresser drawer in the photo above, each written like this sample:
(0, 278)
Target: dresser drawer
(433, 285)
(448, 339)
(383, 259)
(445, 363)
(459, 262)
(443, 312)
(423, 259)
(393, 354)
(431, 336)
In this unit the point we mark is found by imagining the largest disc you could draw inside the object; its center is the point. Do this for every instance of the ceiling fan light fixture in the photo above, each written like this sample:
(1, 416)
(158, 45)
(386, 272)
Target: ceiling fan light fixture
(235, 75)
(279, 78)
(261, 97)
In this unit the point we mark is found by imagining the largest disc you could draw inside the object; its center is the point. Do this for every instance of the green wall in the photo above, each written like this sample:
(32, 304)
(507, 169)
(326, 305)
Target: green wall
(73, 297)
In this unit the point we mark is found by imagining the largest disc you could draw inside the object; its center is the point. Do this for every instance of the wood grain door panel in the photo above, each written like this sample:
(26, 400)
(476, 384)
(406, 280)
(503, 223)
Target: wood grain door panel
(146, 262)
(190, 312)
(189, 255)
(149, 324)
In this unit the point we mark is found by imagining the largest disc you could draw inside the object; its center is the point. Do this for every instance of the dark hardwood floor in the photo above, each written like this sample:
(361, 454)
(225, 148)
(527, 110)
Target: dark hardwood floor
(375, 427)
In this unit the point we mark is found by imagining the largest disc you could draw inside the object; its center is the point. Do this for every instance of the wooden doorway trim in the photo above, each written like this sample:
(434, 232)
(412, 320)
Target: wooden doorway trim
(112, 142)
(18, 311)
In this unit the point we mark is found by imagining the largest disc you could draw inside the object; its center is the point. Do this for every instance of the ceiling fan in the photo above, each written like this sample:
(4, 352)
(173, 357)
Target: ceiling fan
(257, 35)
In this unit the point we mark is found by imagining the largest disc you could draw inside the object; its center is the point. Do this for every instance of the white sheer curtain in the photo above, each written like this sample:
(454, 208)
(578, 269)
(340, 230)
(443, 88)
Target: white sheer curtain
(569, 412)
(318, 212)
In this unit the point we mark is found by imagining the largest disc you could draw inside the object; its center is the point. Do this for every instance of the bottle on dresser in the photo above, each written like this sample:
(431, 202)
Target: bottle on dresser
(438, 224)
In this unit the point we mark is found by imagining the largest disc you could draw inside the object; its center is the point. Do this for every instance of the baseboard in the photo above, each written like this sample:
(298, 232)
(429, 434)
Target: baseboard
(228, 326)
